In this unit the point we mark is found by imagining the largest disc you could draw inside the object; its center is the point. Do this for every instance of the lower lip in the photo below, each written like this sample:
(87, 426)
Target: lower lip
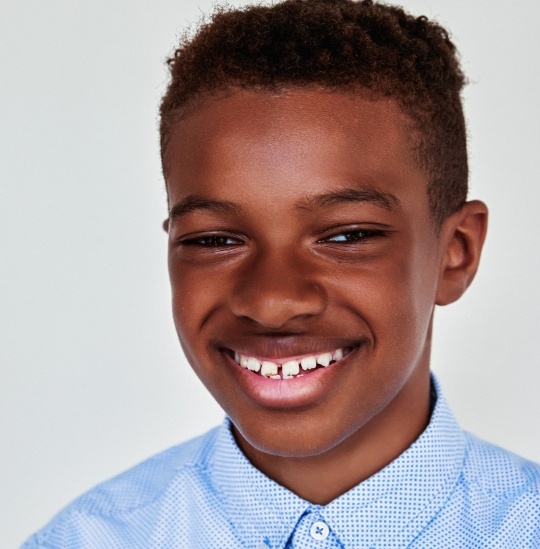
(297, 392)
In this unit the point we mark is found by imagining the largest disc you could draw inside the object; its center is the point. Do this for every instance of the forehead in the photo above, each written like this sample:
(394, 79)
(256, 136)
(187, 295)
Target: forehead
(291, 142)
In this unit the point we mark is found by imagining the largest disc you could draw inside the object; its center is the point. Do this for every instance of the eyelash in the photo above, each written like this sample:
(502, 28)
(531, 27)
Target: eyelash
(347, 237)
(354, 236)
(212, 241)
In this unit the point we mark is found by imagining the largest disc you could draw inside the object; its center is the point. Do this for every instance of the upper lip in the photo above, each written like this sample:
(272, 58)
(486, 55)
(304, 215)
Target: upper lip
(286, 347)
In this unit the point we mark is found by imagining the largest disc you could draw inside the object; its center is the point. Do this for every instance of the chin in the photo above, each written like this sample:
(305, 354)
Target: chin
(293, 434)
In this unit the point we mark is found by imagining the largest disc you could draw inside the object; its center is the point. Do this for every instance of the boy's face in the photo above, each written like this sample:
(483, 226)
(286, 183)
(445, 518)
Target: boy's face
(300, 226)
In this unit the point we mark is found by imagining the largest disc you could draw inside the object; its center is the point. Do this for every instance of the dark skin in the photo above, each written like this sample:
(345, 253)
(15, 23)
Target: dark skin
(299, 224)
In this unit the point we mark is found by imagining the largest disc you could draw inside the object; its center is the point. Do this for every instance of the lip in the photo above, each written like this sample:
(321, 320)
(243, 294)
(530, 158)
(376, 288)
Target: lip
(281, 349)
(298, 392)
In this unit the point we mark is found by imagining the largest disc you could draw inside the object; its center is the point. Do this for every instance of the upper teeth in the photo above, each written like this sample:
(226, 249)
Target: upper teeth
(324, 359)
(338, 354)
(289, 368)
(308, 363)
(269, 368)
(253, 364)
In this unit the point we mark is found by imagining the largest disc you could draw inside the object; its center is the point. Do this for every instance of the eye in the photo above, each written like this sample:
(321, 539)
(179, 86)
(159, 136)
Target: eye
(211, 241)
(359, 235)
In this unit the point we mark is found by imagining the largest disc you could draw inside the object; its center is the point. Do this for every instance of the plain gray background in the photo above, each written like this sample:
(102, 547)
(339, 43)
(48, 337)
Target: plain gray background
(92, 377)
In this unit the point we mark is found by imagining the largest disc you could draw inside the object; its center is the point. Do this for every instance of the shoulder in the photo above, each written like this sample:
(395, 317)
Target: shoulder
(498, 472)
(495, 502)
(180, 469)
(498, 496)
(142, 484)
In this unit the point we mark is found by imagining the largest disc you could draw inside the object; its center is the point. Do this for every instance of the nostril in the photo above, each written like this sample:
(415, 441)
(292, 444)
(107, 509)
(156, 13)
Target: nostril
(276, 313)
(273, 305)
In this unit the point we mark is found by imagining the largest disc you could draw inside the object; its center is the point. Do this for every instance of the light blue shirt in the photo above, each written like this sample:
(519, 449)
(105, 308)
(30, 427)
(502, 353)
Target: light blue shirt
(448, 490)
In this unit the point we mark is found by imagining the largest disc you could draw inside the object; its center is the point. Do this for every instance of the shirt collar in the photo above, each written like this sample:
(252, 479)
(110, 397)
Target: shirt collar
(394, 504)
(408, 492)
(260, 509)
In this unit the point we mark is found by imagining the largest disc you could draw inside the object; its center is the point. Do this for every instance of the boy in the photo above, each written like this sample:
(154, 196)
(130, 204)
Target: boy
(315, 159)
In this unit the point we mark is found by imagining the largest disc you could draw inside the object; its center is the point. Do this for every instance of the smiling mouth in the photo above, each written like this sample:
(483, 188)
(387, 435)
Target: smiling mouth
(289, 368)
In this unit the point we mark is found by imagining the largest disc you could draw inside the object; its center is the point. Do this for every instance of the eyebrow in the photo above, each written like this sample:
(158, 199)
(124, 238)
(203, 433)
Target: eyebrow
(195, 202)
(370, 194)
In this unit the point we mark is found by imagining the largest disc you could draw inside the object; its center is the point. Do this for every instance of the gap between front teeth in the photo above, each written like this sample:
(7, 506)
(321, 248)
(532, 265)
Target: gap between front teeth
(290, 368)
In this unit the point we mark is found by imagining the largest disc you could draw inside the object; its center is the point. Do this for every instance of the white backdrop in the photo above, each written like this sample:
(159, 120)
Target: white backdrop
(92, 377)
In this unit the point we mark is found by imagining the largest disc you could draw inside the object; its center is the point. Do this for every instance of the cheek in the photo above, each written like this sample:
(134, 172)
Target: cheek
(193, 301)
(193, 296)
(394, 297)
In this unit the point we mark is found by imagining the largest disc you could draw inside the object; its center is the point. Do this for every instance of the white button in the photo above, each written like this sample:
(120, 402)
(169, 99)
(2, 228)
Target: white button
(319, 530)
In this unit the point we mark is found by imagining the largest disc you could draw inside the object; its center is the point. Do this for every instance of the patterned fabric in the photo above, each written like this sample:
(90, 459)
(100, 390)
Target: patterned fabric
(449, 490)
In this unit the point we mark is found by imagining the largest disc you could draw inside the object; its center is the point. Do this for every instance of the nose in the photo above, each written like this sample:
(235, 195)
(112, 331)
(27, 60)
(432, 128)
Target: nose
(272, 291)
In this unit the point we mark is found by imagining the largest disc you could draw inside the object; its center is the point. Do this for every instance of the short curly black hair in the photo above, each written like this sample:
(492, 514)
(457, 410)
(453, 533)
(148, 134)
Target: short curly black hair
(359, 46)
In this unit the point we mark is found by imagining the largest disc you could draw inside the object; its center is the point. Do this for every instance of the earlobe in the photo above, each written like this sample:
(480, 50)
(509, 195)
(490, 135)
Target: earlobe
(464, 233)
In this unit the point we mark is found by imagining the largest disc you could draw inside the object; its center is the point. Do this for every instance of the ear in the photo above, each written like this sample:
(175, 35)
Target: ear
(463, 233)
(166, 225)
